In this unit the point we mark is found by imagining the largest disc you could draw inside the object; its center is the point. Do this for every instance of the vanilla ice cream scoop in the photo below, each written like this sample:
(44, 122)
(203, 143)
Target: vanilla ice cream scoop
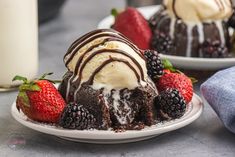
(106, 59)
(199, 10)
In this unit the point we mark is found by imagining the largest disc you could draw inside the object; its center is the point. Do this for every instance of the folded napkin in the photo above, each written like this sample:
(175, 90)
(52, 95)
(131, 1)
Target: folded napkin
(219, 91)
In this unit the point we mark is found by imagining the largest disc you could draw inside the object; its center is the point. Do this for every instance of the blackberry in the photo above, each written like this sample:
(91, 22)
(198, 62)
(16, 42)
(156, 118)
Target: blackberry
(162, 42)
(170, 104)
(75, 116)
(153, 63)
(214, 49)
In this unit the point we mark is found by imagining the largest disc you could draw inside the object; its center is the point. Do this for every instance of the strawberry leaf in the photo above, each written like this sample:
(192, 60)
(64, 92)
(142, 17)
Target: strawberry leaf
(52, 81)
(114, 12)
(44, 75)
(20, 78)
(194, 80)
(29, 87)
(35, 87)
(25, 98)
(168, 65)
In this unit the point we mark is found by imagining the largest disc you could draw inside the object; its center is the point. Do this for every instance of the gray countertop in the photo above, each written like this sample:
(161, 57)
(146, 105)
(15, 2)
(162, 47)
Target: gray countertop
(206, 137)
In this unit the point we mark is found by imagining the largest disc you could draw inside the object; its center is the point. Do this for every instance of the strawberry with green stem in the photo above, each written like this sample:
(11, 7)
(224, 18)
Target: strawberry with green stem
(174, 79)
(39, 100)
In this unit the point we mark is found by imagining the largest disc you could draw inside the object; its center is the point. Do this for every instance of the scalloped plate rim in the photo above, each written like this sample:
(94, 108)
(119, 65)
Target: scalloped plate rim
(104, 136)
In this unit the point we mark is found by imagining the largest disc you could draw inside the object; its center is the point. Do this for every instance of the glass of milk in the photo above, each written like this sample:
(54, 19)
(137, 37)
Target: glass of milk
(18, 41)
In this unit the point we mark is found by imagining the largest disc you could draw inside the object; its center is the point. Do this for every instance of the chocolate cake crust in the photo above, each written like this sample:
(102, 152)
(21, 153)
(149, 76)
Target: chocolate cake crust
(134, 107)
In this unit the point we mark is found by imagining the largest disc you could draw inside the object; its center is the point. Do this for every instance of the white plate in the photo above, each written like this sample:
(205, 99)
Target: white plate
(181, 62)
(110, 137)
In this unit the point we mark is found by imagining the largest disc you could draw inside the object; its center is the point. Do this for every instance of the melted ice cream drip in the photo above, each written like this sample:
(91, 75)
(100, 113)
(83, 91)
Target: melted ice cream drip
(172, 28)
(200, 32)
(219, 25)
(189, 41)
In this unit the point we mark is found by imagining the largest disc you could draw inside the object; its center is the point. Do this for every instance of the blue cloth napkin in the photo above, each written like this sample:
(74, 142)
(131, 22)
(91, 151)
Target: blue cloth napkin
(219, 91)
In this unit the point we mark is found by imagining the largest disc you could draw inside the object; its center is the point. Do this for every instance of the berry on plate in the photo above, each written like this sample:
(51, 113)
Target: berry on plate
(39, 100)
(170, 104)
(177, 80)
(75, 116)
(162, 43)
(214, 49)
(154, 64)
(134, 26)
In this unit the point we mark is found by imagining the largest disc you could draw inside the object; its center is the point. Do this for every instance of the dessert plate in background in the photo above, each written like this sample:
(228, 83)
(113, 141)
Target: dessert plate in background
(179, 61)
(194, 110)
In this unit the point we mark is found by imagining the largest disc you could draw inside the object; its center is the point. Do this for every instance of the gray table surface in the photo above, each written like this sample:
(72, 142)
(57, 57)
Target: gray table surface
(206, 137)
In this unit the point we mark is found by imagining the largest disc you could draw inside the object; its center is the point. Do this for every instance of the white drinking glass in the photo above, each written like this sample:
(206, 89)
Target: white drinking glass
(18, 41)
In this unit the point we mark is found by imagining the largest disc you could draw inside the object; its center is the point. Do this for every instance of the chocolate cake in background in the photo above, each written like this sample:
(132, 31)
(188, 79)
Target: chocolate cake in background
(192, 28)
(107, 75)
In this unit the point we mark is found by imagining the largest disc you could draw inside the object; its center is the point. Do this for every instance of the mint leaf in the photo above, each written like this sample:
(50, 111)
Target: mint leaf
(194, 80)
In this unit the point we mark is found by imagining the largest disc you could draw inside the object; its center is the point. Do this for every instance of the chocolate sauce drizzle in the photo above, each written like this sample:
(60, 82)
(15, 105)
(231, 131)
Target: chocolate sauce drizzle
(108, 35)
(109, 51)
(78, 82)
(174, 9)
(112, 59)
(79, 43)
(231, 2)
(74, 44)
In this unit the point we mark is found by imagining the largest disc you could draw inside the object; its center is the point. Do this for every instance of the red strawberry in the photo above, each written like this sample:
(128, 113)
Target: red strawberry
(39, 100)
(133, 25)
(166, 71)
(178, 81)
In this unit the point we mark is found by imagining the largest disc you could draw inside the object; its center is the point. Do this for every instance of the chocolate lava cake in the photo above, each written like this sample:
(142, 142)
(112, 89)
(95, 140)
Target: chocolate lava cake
(192, 28)
(107, 75)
